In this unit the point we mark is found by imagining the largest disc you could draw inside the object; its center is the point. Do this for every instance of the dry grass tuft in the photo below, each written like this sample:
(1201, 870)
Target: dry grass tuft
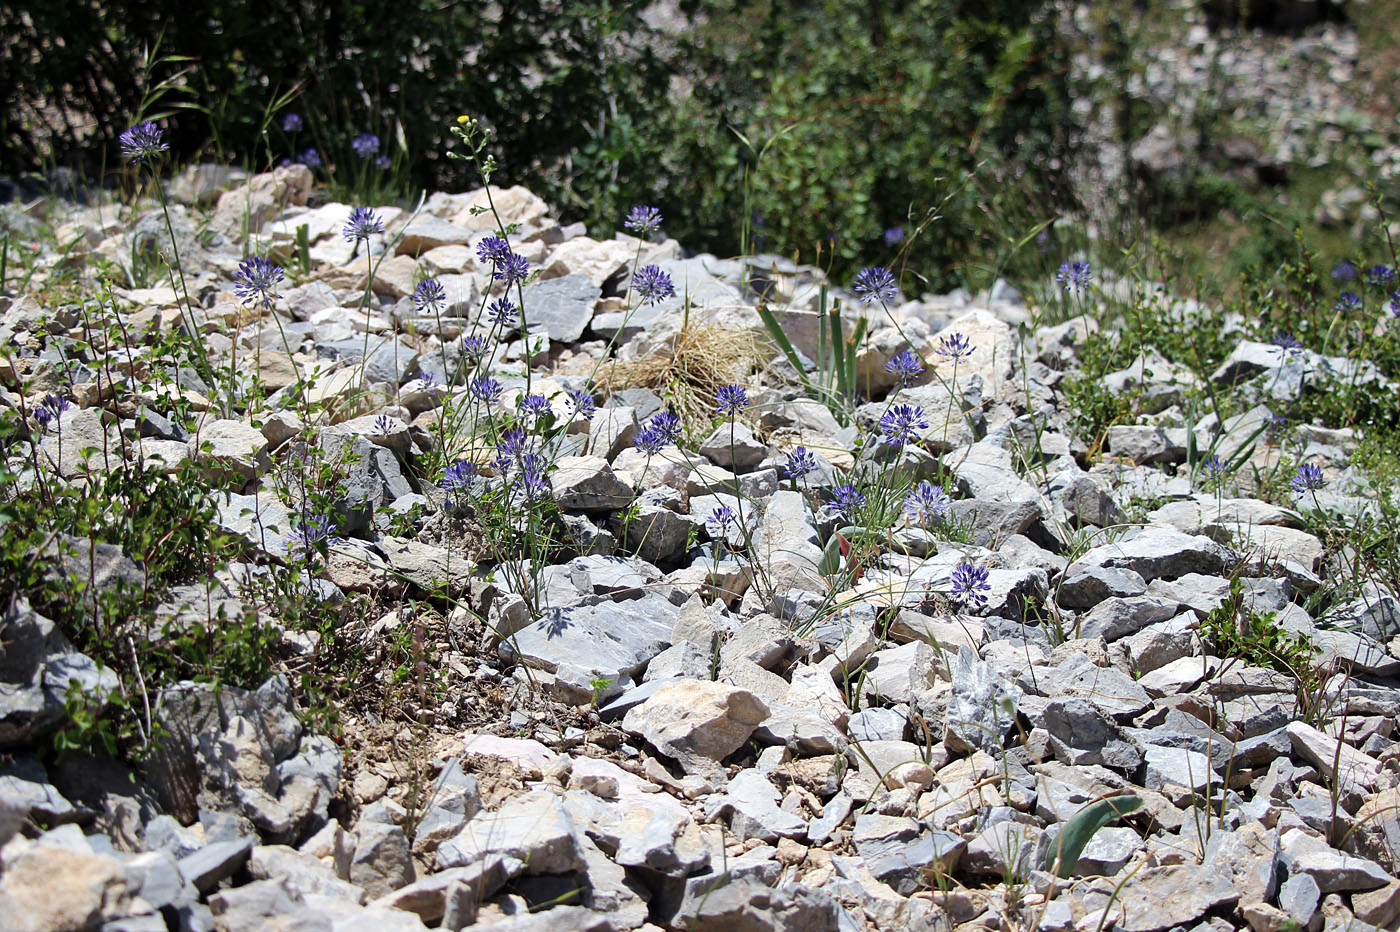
(688, 369)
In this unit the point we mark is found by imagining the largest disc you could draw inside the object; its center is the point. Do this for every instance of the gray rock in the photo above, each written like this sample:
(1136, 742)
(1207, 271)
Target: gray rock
(562, 307)
(683, 659)
(1087, 586)
(425, 232)
(1333, 870)
(232, 446)
(877, 724)
(1002, 849)
(733, 446)
(1115, 693)
(214, 863)
(751, 802)
(1083, 500)
(384, 360)
(1109, 851)
(696, 721)
(1116, 618)
(25, 789)
(897, 674)
(656, 533)
(1298, 896)
(1155, 553)
(382, 861)
(899, 852)
(1081, 733)
(1176, 767)
(587, 483)
(746, 905)
(534, 828)
(613, 640)
(1162, 897)
(981, 707)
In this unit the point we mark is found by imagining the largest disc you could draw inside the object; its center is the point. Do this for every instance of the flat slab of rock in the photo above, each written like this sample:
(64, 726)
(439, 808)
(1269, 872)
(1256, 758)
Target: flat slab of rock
(1158, 552)
(534, 828)
(1163, 897)
(613, 640)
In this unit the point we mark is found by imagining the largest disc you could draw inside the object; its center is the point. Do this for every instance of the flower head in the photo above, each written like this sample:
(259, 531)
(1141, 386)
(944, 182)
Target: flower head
(955, 346)
(905, 366)
(515, 268)
(458, 476)
(531, 484)
(894, 236)
(383, 425)
(1214, 466)
(536, 408)
(800, 462)
(1074, 276)
(310, 158)
(492, 250)
(257, 280)
(732, 399)
(875, 284)
(142, 141)
(1285, 345)
(668, 425)
(719, 521)
(902, 423)
(1347, 302)
(51, 409)
(1393, 305)
(429, 296)
(383, 162)
(649, 440)
(429, 380)
(969, 582)
(501, 312)
(583, 404)
(926, 503)
(1344, 271)
(304, 538)
(485, 390)
(1308, 479)
(513, 444)
(291, 123)
(643, 220)
(365, 145)
(846, 500)
(1382, 276)
(475, 348)
(652, 285)
(362, 223)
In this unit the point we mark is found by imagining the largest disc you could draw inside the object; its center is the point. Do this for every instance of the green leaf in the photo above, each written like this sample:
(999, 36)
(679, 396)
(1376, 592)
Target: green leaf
(1076, 832)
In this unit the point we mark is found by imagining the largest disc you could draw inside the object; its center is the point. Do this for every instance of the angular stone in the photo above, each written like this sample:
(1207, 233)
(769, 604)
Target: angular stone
(562, 307)
(1162, 897)
(1116, 618)
(1357, 769)
(614, 640)
(1156, 553)
(733, 446)
(587, 483)
(425, 232)
(696, 721)
(1081, 733)
(898, 851)
(382, 861)
(534, 828)
(1087, 586)
(981, 707)
(1333, 870)
(751, 802)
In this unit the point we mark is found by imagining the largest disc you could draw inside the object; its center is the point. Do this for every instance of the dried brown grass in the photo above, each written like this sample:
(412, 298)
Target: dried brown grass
(688, 369)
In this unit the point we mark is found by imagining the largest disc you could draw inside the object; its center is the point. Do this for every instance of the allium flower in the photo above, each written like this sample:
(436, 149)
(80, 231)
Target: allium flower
(383, 425)
(906, 366)
(1074, 276)
(458, 476)
(1214, 465)
(531, 484)
(474, 349)
(875, 284)
(800, 462)
(1308, 479)
(1347, 302)
(362, 223)
(51, 409)
(429, 297)
(719, 521)
(649, 440)
(1394, 304)
(492, 250)
(969, 582)
(514, 269)
(955, 346)
(583, 404)
(501, 312)
(303, 539)
(846, 501)
(668, 425)
(652, 285)
(535, 407)
(894, 236)
(643, 220)
(142, 141)
(429, 380)
(310, 158)
(291, 123)
(732, 399)
(902, 423)
(485, 390)
(256, 282)
(1382, 276)
(365, 145)
(1285, 345)
(926, 503)
(383, 162)
(514, 443)
(1344, 271)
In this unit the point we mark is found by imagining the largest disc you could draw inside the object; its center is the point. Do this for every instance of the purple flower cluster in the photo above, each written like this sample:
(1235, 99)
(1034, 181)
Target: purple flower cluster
(304, 538)
(1308, 479)
(502, 313)
(927, 503)
(665, 428)
(875, 284)
(365, 145)
(731, 400)
(643, 220)
(905, 366)
(256, 282)
(653, 285)
(969, 582)
(800, 462)
(1074, 276)
(141, 142)
(846, 500)
(429, 297)
(362, 224)
(583, 404)
(955, 346)
(717, 524)
(901, 424)
(51, 409)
